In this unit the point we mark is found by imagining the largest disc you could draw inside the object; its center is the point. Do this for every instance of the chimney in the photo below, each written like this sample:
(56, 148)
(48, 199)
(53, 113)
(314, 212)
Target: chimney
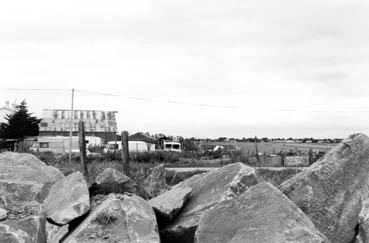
(7, 104)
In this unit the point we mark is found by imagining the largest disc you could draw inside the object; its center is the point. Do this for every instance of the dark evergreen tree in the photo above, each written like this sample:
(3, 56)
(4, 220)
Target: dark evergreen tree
(20, 124)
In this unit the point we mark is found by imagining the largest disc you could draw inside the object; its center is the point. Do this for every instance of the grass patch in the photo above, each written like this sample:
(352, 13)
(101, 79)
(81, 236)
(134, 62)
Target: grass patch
(107, 217)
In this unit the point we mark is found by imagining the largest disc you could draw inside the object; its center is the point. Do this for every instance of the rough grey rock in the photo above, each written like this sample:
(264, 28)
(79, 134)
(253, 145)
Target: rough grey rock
(260, 215)
(363, 231)
(24, 178)
(177, 175)
(113, 181)
(170, 202)
(25, 182)
(277, 175)
(331, 190)
(28, 229)
(3, 214)
(111, 176)
(155, 183)
(68, 199)
(119, 218)
(55, 233)
(9, 234)
(207, 191)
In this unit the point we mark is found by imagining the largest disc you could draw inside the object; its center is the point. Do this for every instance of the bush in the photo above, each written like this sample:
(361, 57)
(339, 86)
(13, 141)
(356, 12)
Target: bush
(240, 156)
(155, 157)
(46, 157)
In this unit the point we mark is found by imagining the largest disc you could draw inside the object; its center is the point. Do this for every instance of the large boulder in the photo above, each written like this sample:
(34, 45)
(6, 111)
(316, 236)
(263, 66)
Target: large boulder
(3, 214)
(25, 182)
(119, 218)
(54, 233)
(68, 199)
(331, 190)
(168, 204)
(24, 178)
(113, 181)
(27, 229)
(111, 176)
(177, 175)
(9, 234)
(155, 183)
(207, 191)
(277, 175)
(260, 215)
(363, 229)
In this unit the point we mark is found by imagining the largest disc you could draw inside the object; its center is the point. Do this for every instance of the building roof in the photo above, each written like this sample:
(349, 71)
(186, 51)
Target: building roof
(6, 108)
(95, 121)
(142, 137)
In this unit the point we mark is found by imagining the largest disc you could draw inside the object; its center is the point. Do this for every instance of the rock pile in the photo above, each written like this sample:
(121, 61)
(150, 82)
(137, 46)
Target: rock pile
(68, 199)
(326, 202)
(207, 191)
(155, 183)
(119, 218)
(25, 182)
(261, 214)
(332, 190)
(168, 204)
(113, 181)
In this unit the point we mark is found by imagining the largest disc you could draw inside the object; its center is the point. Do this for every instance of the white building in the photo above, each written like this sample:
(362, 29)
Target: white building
(6, 110)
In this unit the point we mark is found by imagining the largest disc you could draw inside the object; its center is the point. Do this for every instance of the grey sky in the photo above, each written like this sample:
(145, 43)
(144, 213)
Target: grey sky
(266, 56)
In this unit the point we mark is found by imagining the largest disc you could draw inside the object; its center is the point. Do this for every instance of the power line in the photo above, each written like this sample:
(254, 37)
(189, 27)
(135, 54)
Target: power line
(47, 90)
(93, 92)
(352, 109)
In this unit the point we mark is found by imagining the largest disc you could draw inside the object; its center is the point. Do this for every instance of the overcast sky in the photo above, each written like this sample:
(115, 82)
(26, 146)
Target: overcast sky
(267, 68)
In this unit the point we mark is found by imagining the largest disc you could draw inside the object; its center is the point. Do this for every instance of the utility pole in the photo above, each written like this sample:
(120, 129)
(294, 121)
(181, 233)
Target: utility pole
(71, 128)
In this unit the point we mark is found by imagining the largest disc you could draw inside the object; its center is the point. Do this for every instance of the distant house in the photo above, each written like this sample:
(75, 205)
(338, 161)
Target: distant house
(6, 110)
(142, 137)
(56, 122)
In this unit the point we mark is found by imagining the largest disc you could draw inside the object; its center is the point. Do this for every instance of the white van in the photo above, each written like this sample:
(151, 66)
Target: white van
(172, 146)
(133, 146)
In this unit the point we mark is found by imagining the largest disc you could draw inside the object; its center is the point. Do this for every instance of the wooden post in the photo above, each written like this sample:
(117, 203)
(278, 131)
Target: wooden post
(310, 156)
(125, 153)
(115, 147)
(82, 147)
(257, 150)
(71, 128)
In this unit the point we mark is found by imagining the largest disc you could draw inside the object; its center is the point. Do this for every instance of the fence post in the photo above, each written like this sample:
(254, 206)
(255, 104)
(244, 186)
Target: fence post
(82, 148)
(115, 147)
(125, 153)
(310, 156)
(257, 150)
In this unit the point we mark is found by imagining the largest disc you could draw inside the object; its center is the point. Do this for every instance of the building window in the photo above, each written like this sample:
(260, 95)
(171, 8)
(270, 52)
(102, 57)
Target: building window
(176, 146)
(44, 145)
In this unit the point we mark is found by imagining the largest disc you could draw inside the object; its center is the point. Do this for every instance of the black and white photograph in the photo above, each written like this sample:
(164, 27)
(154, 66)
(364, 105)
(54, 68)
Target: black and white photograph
(157, 121)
